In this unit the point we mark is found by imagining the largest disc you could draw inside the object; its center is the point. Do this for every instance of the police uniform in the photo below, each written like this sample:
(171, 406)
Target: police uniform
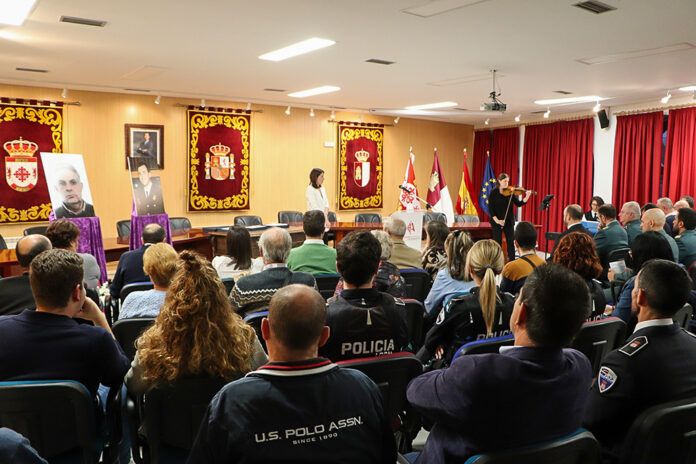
(152, 203)
(310, 411)
(686, 242)
(461, 321)
(656, 365)
(364, 322)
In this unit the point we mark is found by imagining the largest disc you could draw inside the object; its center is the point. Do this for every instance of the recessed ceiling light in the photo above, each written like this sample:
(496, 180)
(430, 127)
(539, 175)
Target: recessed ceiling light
(439, 6)
(299, 48)
(569, 100)
(688, 88)
(15, 12)
(314, 91)
(432, 106)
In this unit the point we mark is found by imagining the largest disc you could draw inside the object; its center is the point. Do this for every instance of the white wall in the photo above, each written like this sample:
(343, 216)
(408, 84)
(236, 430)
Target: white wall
(603, 159)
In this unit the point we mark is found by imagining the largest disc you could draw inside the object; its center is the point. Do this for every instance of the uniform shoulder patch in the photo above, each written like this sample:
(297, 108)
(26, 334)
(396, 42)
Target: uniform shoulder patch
(399, 302)
(606, 379)
(634, 346)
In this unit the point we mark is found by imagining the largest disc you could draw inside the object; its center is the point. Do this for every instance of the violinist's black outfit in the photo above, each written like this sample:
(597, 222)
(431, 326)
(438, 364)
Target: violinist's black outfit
(498, 205)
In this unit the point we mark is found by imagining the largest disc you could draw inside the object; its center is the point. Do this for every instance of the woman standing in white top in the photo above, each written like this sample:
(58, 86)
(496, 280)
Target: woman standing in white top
(315, 193)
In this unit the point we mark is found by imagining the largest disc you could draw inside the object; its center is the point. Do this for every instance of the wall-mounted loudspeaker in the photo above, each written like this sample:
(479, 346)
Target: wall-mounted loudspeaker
(603, 119)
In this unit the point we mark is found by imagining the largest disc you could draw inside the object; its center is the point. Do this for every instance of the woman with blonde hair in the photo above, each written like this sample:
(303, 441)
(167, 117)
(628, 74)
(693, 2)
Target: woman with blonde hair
(483, 313)
(195, 334)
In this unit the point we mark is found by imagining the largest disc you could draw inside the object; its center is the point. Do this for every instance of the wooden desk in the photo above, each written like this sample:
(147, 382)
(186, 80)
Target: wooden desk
(193, 239)
(341, 229)
(219, 240)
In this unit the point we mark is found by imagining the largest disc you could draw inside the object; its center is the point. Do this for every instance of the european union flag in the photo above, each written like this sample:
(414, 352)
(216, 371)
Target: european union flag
(487, 184)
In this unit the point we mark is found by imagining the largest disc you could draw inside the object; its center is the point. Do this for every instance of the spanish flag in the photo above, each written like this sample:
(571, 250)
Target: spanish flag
(465, 203)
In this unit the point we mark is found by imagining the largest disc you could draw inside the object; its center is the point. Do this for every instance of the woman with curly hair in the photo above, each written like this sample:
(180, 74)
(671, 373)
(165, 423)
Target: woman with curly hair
(577, 252)
(195, 334)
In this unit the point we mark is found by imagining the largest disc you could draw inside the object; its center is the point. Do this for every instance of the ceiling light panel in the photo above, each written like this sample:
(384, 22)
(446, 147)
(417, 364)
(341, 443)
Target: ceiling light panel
(570, 100)
(464, 80)
(315, 91)
(15, 12)
(439, 6)
(688, 88)
(432, 106)
(615, 57)
(299, 48)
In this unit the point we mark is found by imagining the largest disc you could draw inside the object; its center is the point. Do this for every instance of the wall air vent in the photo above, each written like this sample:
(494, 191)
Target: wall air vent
(275, 90)
(378, 61)
(82, 21)
(34, 70)
(594, 6)
(562, 92)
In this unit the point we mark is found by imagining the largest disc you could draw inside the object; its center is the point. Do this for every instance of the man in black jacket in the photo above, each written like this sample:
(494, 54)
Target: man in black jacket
(130, 264)
(15, 292)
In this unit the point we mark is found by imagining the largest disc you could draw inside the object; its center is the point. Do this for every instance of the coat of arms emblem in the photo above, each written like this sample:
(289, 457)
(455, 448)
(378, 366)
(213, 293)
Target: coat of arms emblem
(219, 163)
(21, 166)
(361, 168)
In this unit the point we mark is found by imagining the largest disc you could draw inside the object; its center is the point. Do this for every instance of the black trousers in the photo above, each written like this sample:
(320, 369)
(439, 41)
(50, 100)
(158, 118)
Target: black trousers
(509, 230)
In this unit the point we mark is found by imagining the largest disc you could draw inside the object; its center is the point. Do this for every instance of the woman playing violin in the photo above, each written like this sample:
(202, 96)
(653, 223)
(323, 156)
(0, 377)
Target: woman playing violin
(502, 215)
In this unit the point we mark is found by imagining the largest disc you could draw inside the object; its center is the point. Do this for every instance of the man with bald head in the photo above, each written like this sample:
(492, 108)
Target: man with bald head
(130, 264)
(654, 220)
(298, 407)
(15, 292)
(69, 185)
(630, 219)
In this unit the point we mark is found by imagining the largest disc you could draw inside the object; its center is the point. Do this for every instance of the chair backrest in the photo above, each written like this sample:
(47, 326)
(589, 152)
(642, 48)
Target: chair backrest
(663, 433)
(552, 236)
(41, 230)
(617, 255)
(173, 414)
(692, 273)
(127, 331)
(683, 316)
(180, 224)
(417, 283)
(254, 320)
(248, 221)
(431, 216)
(488, 345)
(228, 282)
(415, 313)
(597, 338)
(57, 417)
(332, 217)
(123, 228)
(3, 244)
(578, 448)
(134, 287)
(371, 218)
(287, 217)
(391, 373)
(326, 283)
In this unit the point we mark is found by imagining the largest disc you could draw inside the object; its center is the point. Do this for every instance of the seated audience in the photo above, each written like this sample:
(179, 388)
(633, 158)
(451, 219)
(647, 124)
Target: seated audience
(159, 263)
(654, 220)
(453, 279)
(47, 344)
(263, 416)
(515, 272)
(610, 236)
(253, 292)
(16, 449)
(237, 262)
(648, 206)
(593, 213)
(530, 393)
(130, 264)
(572, 219)
(685, 225)
(15, 292)
(576, 252)
(656, 365)
(403, 256)
(630, 219)
(688, 199)
(65, 235)
(434, 256)
(194, 337)
(313, 256)
(666, 206)
(363, 321)
(483, 313)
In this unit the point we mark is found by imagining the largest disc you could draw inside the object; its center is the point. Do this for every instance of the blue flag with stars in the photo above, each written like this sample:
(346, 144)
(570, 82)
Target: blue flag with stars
(488, 183)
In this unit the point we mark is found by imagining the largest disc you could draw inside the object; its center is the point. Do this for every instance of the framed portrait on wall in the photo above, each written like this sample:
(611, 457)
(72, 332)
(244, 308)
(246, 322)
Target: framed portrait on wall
(145, 143)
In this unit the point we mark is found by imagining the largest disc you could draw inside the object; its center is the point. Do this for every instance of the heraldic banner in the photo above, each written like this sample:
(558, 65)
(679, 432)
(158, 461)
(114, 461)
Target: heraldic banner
(360, 165)
(218, 159)
(27, 128)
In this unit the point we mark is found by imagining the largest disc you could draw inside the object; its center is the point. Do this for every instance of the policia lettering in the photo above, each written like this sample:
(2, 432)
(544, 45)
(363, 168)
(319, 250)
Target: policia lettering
(309, 434)
(370, 347)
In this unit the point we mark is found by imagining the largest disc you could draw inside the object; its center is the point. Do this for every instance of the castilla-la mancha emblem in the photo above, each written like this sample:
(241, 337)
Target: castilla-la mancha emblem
(219, 163)
(21, 166)
(361, 168)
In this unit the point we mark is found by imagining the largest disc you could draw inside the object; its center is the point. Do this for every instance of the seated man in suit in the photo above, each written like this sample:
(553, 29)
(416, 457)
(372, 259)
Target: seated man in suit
(147, 192)
(253, 292)
(610, 236)
(313, 256)
(403, 256)
(363, 321)
(630, 218)
(15, 292)
(656, 365)
(130, 264)
(685, 225)
(536, 388)
(298, 407)
(572, 218)
(654, 220)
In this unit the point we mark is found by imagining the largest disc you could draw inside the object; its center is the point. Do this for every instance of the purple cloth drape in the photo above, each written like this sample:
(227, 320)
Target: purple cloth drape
(138, 223)
(91, 240)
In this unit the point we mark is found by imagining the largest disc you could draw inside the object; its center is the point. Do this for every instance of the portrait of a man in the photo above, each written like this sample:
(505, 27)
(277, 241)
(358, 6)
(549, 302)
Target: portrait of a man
(147, 192)
(144, 144)
(68, 189)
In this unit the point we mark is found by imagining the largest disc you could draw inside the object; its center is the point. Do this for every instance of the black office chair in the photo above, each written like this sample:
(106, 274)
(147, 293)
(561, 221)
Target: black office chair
(617, 255)
(370, 218)
(430, 216)
(326, 283)
(597, 338)
(180, 224)
(288, 217)
(254, 320)
(332, 217)
(489, 345)
(330, 236)
(127, 332)
(228, 282)
(663, 433)
(134, 287)
(3, 244)
(415, 313)
(248, 221)
(683, 316)
(578, 448)
(418, 283)
(41, 230)
(123, 228)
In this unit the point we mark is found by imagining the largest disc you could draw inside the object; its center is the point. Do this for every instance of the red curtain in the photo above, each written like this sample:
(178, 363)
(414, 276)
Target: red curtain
(505, 153)
(482, 144)
(680, 157)
(558, 160)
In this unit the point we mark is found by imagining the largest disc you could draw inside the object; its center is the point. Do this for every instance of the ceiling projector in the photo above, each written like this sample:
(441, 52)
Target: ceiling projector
(494, 104)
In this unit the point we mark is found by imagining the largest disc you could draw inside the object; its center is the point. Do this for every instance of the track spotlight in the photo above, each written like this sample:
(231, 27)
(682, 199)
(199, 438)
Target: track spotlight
(287, 111)
(248, 107)
(64, 93)
(397, 119)
(518, 117)
(202, 102)
(311, 112)
(487, 121)
(333, 115)
(548, 113)
(158, 99)
(596, 107)
(666, 98)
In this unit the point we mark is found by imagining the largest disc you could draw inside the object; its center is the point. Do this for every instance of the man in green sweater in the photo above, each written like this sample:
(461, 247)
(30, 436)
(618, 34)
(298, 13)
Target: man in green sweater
(313, 256)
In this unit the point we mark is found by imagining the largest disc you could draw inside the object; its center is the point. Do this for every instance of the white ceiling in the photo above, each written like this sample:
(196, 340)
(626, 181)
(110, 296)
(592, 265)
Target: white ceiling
(209, 49)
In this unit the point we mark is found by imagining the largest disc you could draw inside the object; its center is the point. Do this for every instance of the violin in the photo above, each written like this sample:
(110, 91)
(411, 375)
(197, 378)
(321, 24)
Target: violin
(507, 191)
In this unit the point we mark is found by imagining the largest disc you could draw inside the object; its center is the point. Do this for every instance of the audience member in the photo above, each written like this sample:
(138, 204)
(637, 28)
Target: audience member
(689, 200)
(572, 219)
(65, 235)
(654, 220)
(530, 393)
(593, 213)
(515, 272)
(656, 365)
(15, 292)
(610, 236)
(297, 407)
(159, 263)
(483, 313)
(434, 256)
(198, 336)
(15, 449)
(363, 321)
(665, 204)
(685, 225)
(453, 279)
(630, 219)
(253, 292)
(237, 262)
(313, 256)
(403, 256)
(130, 264)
